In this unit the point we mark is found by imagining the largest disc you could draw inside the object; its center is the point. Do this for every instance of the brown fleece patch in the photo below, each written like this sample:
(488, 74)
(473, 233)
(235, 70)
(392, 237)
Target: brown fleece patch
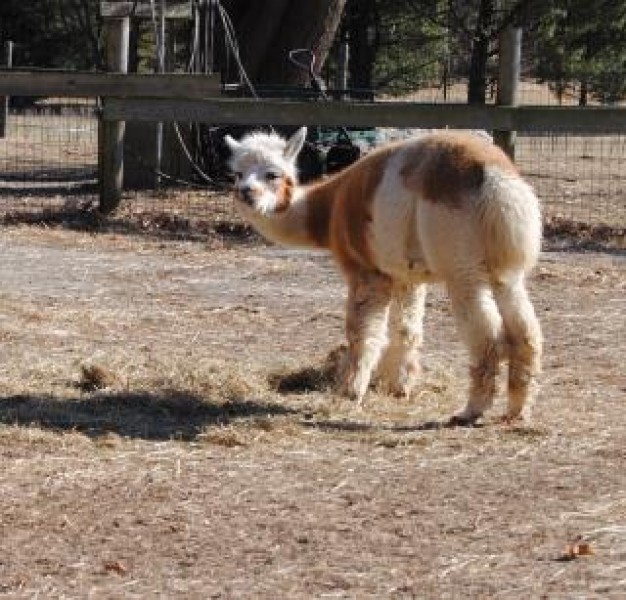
(444, 167)
(284, 195)
(352, 212)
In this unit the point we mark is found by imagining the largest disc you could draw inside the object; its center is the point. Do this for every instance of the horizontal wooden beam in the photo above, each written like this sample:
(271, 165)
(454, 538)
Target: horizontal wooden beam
(142, 9)
(379, 114)
(72, 84)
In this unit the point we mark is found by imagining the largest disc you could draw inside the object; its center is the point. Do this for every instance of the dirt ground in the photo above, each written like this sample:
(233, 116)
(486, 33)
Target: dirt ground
(167, 431)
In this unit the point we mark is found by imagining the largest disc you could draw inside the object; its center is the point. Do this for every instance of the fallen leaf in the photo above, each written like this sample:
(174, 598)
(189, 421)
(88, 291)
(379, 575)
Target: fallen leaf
(574, 550)
(115, 566)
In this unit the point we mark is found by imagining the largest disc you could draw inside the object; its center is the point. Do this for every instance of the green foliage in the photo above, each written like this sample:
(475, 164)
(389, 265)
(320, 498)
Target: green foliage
(411, 49)
(585, 42)
(567, 43)
(428, 42)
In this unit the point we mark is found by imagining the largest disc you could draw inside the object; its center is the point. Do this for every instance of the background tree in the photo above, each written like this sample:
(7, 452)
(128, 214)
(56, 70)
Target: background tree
(391, 47)
(396, 45)
(423, 39)
(53, 33)
(267, 31)
(584, 42)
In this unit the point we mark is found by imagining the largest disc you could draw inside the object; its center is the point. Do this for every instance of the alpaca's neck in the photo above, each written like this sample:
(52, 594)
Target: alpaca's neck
(307, 219)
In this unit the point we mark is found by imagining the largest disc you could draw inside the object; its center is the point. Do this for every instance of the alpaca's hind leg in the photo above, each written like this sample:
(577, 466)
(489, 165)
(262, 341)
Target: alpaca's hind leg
(523, 336)
(400, 368)
(480, 324)
(369, 298)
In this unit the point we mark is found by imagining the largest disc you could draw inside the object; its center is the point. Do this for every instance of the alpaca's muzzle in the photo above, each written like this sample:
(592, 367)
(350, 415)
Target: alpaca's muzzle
(246, 195)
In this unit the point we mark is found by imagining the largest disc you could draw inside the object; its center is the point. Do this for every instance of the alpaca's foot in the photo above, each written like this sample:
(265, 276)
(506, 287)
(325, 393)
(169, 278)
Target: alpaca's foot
(513, 417)
(356, 386)
(352, 387)
(464, 418)
(407, 379)
(399, 388)
(400, 378)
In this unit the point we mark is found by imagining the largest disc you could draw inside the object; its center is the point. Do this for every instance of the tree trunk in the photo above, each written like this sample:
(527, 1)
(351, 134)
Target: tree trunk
(477, 88)
(361, 18)
(267, 31)
(583, 98)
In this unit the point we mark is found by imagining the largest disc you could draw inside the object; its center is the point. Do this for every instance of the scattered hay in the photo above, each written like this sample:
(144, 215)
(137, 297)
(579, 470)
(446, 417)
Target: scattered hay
(321, 378)
(166, 223)
(301, 381)
(525, 431)
(200, 479)
(97, 377)
(582, 235)
(223, 436)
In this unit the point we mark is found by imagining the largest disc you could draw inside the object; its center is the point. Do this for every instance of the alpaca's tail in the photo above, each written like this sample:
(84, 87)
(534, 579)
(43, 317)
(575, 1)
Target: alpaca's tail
(511, 222)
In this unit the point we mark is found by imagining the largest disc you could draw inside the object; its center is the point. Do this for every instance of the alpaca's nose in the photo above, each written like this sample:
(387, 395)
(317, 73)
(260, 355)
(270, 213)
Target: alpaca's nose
(247, 193)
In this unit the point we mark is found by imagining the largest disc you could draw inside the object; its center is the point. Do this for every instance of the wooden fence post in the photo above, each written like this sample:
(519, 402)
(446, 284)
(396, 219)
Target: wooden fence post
(161, 52)
(509, 61)
(4, 101)
(111, 134)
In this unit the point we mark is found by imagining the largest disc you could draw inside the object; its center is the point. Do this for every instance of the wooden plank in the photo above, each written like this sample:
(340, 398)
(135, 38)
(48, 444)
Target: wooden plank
(509, 66)
(381, 114)
(167, 85)
(181, 9)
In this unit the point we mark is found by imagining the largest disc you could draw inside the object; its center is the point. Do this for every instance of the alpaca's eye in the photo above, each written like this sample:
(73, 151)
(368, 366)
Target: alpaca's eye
(271, 176)
(237, 174)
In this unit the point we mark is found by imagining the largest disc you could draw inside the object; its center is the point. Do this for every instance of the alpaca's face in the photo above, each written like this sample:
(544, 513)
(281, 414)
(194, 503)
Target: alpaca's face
(265, 172)
(262, 184)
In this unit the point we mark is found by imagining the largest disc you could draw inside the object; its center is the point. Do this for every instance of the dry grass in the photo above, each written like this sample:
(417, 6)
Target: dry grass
(168, 429)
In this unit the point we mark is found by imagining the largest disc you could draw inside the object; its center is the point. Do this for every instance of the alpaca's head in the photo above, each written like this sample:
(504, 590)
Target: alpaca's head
(265, 173)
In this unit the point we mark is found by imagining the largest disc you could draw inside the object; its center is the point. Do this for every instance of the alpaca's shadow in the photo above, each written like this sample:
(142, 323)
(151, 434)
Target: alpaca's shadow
(348, 426)
(322, 379)
(368, 427)
(163, 415)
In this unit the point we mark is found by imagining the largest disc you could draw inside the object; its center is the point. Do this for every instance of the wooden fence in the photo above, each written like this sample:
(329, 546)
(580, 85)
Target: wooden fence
(196, 98)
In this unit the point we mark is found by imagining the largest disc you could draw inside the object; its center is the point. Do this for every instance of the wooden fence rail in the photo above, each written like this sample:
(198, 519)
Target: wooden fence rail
(121, 85)
(378, 114)
(195, 98)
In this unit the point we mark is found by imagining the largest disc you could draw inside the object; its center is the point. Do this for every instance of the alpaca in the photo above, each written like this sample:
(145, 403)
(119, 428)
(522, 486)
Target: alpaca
(445, 207)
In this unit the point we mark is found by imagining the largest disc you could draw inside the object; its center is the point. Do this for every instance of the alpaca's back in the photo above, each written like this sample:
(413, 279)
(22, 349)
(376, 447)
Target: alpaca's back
(449, 202)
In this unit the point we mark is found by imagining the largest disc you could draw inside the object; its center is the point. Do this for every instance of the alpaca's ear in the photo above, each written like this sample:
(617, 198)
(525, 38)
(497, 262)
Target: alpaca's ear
(233, 144)
(294, 144)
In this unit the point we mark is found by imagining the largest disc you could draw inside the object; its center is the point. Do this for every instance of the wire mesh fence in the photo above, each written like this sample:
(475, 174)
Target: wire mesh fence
(49, 169)
(578, 177)
(49, 154)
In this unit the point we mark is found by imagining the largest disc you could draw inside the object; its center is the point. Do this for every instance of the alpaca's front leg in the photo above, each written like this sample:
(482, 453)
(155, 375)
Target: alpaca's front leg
(369, 298)
(400, 368)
